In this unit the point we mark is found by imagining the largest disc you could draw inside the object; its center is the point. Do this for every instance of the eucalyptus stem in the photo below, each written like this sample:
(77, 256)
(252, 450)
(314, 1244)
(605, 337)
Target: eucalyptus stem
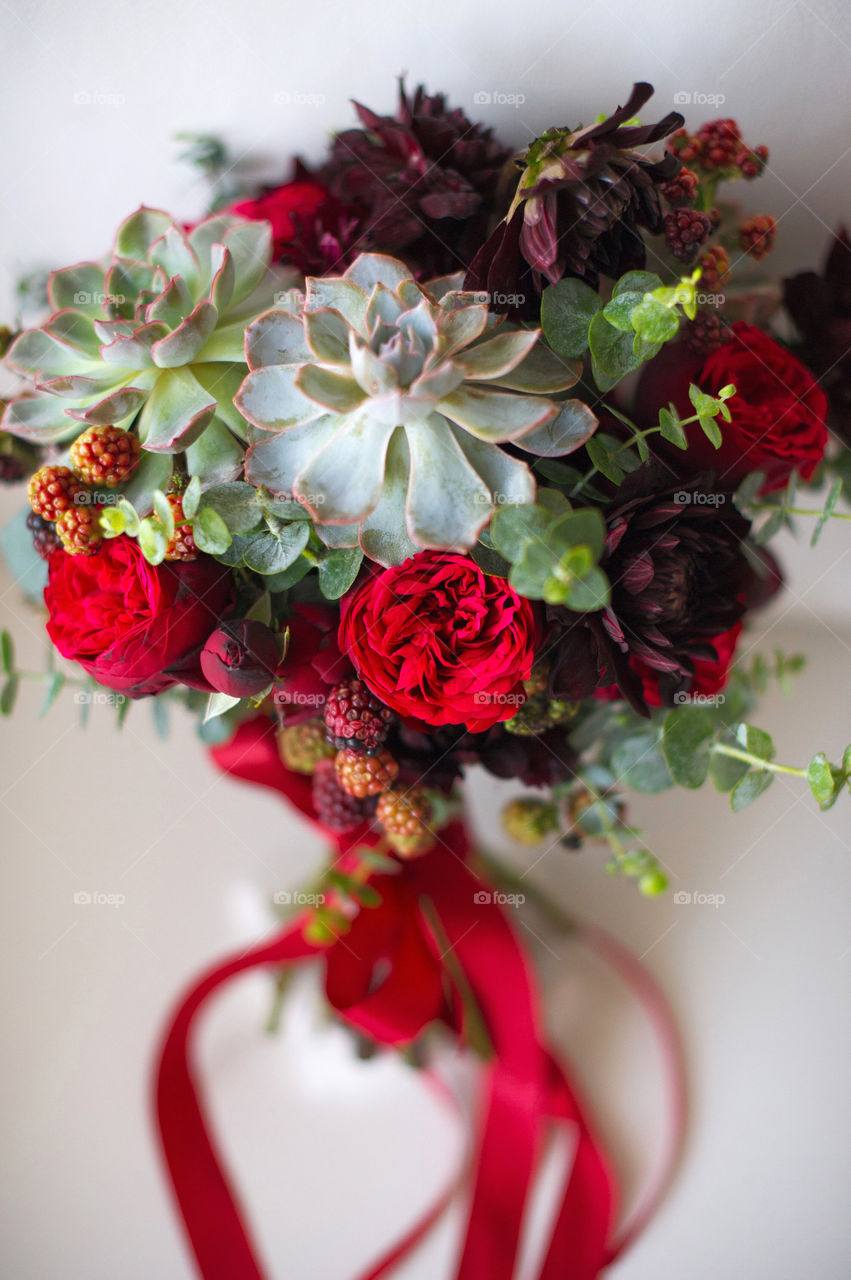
(799, 511)
(735, 753)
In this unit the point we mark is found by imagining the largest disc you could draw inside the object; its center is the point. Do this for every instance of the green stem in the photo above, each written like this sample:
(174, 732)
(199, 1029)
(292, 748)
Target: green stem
(799, 511)
(273, 1023)
(735, 753)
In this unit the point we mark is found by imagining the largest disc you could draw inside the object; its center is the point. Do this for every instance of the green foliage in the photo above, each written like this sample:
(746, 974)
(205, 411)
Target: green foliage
(553, 551)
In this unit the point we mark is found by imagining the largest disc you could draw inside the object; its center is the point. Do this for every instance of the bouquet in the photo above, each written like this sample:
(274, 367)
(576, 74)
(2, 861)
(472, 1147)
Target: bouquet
(437, 455)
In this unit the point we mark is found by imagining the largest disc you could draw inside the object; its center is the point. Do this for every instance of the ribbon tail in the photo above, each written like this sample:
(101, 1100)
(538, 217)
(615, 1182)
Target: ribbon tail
(206, 1200)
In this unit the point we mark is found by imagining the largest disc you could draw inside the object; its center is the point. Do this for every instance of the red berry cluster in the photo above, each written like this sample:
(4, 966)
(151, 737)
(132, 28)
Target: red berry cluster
(105, 456)
(682, 189)
(705, 333)
(181, 545)
(757, 235)
(355, 718)
(335, 808)
(718, 145)
(714, 265)
(685, 231)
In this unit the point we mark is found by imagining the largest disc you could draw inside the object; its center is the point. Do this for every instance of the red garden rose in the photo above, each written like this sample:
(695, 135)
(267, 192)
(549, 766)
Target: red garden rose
(137, 628)
(778, 412)
(438, 641)
(304, 199)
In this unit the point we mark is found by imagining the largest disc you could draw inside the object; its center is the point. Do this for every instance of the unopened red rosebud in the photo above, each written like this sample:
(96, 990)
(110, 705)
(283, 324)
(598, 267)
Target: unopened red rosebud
(240, 658)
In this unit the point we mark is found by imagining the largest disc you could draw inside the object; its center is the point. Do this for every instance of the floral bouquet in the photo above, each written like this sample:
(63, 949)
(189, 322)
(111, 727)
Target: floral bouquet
(436, 455)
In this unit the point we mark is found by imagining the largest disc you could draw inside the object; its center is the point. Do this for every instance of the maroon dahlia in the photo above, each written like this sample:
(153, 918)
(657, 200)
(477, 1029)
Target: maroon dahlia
(583, 199)
(422, 182)
(679, 576)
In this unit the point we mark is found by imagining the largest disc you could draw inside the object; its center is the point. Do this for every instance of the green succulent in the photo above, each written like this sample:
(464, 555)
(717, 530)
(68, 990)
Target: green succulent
(381, 404)
(151, 339)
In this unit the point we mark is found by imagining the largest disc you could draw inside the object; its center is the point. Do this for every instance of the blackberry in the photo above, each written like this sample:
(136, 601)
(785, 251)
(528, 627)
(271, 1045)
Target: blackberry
(683, 188)
(105, 456)
(302, 746)
(45, 537)
(685, 231)
(53, 490)
(334, 808)
(529, 821)
(756, 236)
(181, 545)
(405, 816)
(714, 267)
(79, 530)
(355, 718)
(363, 775)
(705, 333)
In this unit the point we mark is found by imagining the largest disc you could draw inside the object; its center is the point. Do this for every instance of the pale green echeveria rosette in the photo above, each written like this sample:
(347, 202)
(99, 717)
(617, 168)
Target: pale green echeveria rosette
(153, 339)
(381, 404)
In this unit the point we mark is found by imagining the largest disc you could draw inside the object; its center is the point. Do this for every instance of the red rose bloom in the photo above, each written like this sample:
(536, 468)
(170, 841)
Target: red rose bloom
(137, 628)
(438, 641)
(778, 412)
(278, 206)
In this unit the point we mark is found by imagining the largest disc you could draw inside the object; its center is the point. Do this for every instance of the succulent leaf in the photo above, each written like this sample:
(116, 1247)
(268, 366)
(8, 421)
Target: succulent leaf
(387, 401)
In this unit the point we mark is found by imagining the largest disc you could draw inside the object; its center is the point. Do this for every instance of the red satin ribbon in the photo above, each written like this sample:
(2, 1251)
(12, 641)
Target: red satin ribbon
(431, 926)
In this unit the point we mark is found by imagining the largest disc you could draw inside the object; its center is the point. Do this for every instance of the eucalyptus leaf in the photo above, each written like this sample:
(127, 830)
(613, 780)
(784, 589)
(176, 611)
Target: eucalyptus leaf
(567, 309)
(210, 532)
(338, 570)
(687, 733)
(750, 788)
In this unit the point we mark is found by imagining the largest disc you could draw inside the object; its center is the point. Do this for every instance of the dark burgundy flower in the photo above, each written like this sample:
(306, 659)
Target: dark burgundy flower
(423, 181)
(581, 203)
(240, 658)
(820, 306)
(679, 580)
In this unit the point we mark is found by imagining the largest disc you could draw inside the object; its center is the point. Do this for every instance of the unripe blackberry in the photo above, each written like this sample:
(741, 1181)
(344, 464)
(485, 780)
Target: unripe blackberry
(756, 236)
(334, 808)
(529, 821)
(537, 682)
(302, 746)
(720, 143)
(362, 775)
(705, 333)
(79, 530)
(105, 456)
(45, 537)
(52, 491)
(538, 714)
(181, 545)
(682, 189)
(685, 231)
(714, 265)
(405, 817)
(355, 718)
(685, 145)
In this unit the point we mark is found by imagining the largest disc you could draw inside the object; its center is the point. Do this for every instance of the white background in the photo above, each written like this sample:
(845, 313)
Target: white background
(333, 1154)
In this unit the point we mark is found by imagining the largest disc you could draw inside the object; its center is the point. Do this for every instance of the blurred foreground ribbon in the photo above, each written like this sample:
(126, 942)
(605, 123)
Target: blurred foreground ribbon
(437, 938)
